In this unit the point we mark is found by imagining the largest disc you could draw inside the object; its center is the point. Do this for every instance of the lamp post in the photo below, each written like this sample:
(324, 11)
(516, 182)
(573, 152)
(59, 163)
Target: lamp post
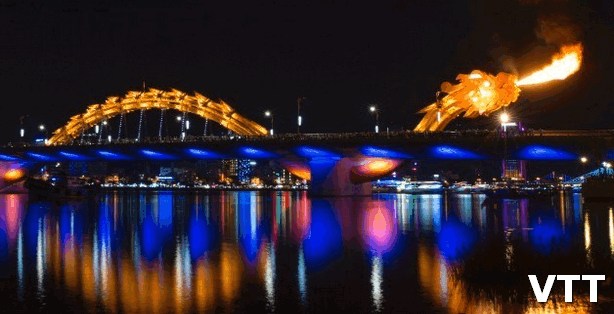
(269, 114)
(43, 130)
(504, 118)
(373, 110)
(299, 118)
(185, 125)
(22, 130)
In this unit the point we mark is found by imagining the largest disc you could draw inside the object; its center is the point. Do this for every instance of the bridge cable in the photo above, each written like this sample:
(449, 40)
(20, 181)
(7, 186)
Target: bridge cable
(183, 126)
(138, 137)
(161, 123)
(121, 123)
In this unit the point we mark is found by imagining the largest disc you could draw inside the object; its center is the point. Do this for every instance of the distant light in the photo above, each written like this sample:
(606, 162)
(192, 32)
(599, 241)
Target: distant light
(504, 117)
(178, 118)
(372, 108)
(105, 122)
(267, 113)
(187, 124)
(583, 159)
(253, 163)
(21, 132)
(109, 138)
(41, 127)
(97, 128)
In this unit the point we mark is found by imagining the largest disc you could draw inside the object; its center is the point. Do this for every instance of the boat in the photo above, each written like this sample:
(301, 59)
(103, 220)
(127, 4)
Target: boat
(420, 187)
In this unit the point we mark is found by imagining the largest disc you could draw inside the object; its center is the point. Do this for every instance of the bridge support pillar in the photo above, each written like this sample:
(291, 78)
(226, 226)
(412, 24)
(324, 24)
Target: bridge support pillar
(332, 177)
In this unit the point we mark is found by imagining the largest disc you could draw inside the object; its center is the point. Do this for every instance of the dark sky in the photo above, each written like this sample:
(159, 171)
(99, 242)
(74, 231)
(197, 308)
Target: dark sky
(56, 57)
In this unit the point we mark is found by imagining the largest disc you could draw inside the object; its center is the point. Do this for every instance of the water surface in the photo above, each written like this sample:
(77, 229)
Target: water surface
(285, 252)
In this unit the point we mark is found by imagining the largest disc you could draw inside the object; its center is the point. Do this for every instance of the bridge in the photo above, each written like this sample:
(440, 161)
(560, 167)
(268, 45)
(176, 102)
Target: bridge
(336, 164)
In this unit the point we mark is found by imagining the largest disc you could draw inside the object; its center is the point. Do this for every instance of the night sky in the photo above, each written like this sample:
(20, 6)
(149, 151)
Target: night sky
(56, 57)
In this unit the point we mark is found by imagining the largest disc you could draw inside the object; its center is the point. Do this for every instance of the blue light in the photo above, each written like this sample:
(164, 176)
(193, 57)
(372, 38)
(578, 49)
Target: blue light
(547, 234)
(249, 231)
(255, 153)
(154, 155)
(39, 156)
(165, 209)
(200, 153)
(110, 155)
(202, 235)
(150, 238)
(455, 239)
(312, 152)
(452, 152)
(72, 156)
(324, 242)
(7, 158)
(372, 151)
(539, 152)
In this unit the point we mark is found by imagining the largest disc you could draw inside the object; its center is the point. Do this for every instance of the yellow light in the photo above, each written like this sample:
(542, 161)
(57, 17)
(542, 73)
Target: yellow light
(504, 117)
(197, 104)
(14, 175)
(564, 64)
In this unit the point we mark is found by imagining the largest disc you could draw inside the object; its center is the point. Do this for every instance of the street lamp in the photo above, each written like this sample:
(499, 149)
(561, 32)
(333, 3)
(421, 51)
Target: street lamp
(41, 127)
(269, 114)
(299, 118)
(505, 121)
(583, 159)
(373, 110)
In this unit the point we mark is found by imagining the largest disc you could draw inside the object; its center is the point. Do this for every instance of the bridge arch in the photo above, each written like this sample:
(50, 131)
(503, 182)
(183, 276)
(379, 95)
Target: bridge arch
(218, 111)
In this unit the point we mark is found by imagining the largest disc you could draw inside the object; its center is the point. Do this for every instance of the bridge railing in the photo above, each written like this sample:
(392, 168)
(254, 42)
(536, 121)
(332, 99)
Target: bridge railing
(291, 137)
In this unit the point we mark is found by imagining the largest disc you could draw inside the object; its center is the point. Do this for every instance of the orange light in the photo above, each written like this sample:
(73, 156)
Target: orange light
(14, 175)
(564, 64)
(369, 169)
(298, 169)
(480, 94)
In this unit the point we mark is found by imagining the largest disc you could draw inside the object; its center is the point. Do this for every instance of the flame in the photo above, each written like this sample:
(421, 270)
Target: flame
(564, 64)
(479, 93)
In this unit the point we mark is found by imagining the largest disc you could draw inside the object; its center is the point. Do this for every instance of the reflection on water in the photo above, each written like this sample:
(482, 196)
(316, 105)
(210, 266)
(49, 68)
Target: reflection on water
(282, 251)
